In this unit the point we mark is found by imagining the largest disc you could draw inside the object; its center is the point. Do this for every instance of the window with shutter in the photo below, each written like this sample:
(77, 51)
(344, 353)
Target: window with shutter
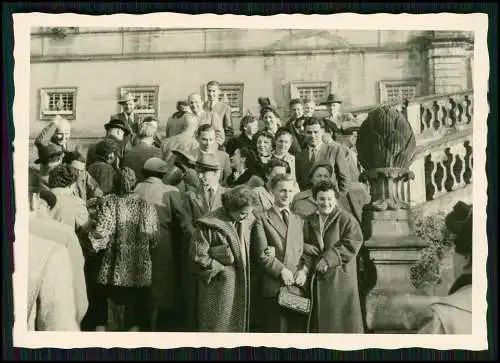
(57, 101)
(397, 91)
(146, 99)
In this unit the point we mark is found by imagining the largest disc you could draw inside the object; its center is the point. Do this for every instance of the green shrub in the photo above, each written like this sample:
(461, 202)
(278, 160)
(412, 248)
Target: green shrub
(426, 271)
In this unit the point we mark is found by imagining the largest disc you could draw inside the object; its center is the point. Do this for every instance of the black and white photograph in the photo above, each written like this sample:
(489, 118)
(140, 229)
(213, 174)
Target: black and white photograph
(260, 178)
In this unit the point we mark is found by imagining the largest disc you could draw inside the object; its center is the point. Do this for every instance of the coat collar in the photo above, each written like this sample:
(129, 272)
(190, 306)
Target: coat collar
(153, 180)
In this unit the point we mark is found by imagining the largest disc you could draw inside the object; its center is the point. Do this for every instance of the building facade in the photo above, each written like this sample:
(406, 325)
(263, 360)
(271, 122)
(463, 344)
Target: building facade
(80, 72)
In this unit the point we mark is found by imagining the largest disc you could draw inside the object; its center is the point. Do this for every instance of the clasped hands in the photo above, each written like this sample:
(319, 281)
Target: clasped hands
(321, 265)
(287, 276)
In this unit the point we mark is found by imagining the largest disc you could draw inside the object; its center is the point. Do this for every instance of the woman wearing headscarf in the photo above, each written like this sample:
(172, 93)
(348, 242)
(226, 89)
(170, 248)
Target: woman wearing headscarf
(453, 314)
(127, 229)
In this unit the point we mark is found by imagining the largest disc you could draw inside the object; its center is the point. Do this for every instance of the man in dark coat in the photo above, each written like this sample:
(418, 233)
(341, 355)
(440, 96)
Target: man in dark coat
(116, 130)
(296, 125)
(317, 150)
(142, 150)
(224, 273)
(335, 237)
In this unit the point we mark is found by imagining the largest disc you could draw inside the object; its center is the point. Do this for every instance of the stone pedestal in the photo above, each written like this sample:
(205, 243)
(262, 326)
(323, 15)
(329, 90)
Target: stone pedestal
(393, 248)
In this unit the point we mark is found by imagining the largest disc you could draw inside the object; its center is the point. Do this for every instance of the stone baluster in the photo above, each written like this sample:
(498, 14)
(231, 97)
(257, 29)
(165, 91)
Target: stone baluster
(463, 110)
(427, 117)
(438, 158)
(458, 152)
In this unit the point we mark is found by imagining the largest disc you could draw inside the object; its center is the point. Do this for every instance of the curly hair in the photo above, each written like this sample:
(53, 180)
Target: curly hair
(324, 186)
(267, 135)
(238, 198)
(62, 176)
(124, 181)
(104, 148)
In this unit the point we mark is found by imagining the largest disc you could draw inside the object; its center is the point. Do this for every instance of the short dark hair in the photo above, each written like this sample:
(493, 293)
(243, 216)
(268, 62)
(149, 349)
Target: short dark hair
(239, 197)
(283, 131)
(267, 109)
(296, 101)
(266, 134)
(71, 156)
(310, 121)
(204, 128)
(248, 119)
(323, 186)
(279, 178)
(105, 147)
(62, 176)
(213, 83)
(274, 163)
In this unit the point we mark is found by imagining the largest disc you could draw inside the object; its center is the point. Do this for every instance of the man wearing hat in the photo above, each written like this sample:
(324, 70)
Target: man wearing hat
(49, 156)
(128, 116)
(144, 148)
(206, 199)
(167, 255)
(336, 117)
(116, 130)
(182, 173)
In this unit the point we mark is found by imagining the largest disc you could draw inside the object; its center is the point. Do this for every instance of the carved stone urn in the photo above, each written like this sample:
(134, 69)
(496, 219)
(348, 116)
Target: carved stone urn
(386, 146)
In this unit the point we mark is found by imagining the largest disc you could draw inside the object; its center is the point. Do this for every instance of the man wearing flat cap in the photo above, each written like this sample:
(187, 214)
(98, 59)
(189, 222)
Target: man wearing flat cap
(116, 130)
(167, 255)
(199, 203)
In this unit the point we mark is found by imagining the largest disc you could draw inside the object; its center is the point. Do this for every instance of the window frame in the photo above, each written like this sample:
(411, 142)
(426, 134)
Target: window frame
(47, 115)
(142, 88)
(383, 88)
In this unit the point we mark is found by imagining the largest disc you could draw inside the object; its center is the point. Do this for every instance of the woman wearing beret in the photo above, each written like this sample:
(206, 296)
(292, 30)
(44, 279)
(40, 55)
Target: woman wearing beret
(453, 314)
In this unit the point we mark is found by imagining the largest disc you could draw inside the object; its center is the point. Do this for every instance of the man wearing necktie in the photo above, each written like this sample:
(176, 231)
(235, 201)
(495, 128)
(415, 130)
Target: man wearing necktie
(128, 102)
(316, 150)
(199, 203)
(278, 246)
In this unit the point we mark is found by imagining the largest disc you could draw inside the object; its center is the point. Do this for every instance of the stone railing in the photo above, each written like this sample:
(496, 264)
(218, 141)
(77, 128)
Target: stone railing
(443, 129)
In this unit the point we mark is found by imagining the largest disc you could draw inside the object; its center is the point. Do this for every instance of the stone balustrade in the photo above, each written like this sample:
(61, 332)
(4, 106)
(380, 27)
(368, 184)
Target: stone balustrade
(443, 129)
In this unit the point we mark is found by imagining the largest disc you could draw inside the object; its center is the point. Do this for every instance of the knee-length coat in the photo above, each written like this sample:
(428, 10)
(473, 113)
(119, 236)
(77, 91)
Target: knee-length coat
(336, 303)
(224, 290)
(171, 214)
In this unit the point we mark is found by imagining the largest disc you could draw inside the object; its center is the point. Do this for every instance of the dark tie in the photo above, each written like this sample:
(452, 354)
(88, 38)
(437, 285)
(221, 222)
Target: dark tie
(313, 155)
(284, 214)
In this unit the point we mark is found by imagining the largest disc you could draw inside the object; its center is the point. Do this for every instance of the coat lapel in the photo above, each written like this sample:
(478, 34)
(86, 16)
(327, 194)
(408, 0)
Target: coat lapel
(317, 230)
(277, 223)
(291, 233)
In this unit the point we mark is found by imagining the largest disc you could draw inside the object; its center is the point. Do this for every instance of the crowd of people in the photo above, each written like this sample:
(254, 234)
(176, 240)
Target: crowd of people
(201, 228)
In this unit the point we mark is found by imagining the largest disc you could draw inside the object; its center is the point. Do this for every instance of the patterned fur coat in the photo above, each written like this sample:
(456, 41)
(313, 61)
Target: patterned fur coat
(127, 229)
(224, 291)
